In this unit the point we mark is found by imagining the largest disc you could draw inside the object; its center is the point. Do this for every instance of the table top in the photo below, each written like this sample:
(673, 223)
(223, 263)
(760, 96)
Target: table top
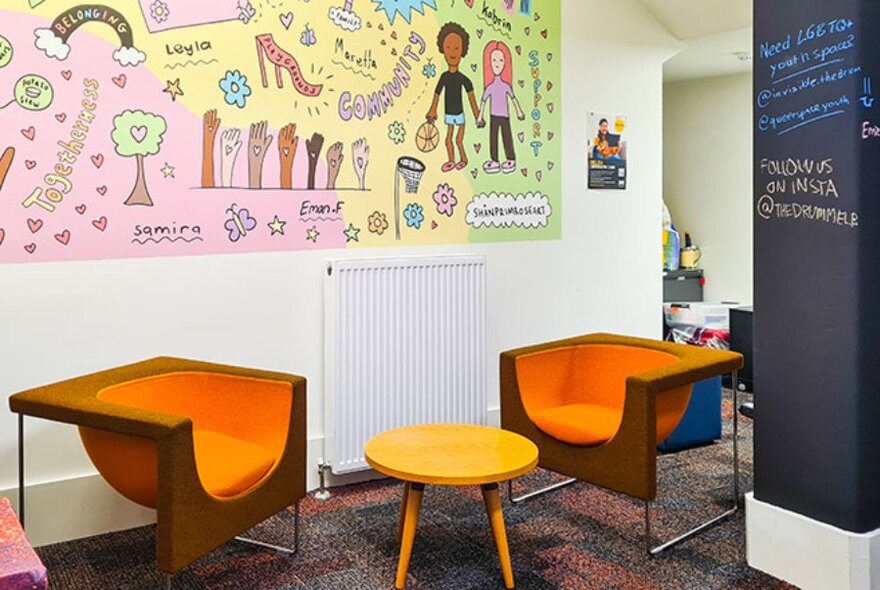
(451, 454)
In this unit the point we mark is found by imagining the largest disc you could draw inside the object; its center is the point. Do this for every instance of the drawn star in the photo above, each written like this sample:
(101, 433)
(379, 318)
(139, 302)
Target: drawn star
(277, 226)
(173, 88)
(351, 234)
(312, 234)
(403, 7)
(167, 170)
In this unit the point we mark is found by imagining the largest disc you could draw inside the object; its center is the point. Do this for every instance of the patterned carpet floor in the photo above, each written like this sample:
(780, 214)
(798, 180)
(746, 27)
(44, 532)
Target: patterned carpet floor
(580, 537)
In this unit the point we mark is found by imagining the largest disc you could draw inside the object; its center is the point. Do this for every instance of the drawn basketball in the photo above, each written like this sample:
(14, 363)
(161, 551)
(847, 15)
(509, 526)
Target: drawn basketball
(427, 137)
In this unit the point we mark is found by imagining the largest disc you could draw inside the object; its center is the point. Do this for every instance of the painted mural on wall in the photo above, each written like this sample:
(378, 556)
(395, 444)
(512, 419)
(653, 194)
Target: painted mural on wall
(169, 127)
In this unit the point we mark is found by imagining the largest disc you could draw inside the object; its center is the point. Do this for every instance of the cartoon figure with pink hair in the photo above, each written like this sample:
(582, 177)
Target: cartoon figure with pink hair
(497, 81)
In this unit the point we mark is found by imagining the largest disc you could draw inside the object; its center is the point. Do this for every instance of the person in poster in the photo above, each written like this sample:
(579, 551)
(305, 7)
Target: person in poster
(606, 153)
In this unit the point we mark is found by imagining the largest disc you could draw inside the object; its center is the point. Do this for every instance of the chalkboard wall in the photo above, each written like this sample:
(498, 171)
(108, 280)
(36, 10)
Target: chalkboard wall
(817, 259)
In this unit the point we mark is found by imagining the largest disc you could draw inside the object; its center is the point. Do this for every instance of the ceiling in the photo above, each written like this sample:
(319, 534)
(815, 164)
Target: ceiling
(714, 32)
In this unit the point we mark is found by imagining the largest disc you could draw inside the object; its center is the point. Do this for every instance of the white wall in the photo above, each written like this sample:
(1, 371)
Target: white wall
(707, 177)
(265, 310)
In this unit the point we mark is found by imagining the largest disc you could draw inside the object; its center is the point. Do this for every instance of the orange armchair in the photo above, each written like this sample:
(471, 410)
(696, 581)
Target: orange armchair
(597, 406)
(215, 449)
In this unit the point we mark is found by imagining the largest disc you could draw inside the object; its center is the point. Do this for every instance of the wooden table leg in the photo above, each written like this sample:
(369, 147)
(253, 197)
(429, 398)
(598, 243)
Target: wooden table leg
(411, 519)
(402, 518)
(496, 520)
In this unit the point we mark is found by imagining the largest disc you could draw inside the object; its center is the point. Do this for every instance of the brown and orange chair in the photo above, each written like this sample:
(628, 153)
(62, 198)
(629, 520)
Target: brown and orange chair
(215, 449)
(598, 405)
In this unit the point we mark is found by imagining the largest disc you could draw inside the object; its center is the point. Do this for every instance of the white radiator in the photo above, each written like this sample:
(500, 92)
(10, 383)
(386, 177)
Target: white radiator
(405, 344)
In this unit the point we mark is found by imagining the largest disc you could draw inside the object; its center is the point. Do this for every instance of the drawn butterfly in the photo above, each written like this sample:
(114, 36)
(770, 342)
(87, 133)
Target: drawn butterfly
(308, 37)
(246, 12)
(239, 224)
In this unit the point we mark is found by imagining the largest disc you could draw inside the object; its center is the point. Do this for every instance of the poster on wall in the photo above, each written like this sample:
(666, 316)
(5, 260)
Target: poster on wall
(606, 151)
(171, 127)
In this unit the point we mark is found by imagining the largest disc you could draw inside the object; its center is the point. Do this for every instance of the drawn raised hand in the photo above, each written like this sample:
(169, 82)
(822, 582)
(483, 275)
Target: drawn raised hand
(210, 126)
(287, 142)
(360, 155)
(313, 149)
(259, 141)
(334, 163)
(230, 145)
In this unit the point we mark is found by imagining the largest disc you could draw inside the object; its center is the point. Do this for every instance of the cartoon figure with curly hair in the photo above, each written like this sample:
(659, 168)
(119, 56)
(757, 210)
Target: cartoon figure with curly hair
(453, 42)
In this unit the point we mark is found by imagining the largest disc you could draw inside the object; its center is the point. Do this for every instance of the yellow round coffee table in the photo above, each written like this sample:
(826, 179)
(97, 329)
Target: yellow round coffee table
(450, 454)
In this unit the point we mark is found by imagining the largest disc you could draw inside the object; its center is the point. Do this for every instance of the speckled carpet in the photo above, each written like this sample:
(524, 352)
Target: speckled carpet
(580, 537)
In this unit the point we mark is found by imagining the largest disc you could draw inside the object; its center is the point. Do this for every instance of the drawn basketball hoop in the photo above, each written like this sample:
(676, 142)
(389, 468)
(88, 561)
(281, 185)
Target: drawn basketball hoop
(411, 169)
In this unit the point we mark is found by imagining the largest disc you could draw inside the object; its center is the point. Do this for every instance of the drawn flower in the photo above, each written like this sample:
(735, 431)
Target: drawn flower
(444, 196)
(236, 88)
(397, 132)
(159, 11)
(429, 70)
(377, 223)
(414, 214)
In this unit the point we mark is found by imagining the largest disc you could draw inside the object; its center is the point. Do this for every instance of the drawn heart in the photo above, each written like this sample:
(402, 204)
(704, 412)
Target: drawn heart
(470, 3)
(544, 33)
(257, 150)
(549, 57)
(549, 107)
(393, 51)
(98, 160)
(550, 135)
(521, 136)
(286, 20)
(66, 74)
(120, 80)
(479, 33)
(550, 165)
(522, 83)
(394, 35)
(433, 226)
(538, 175)
(369, 25)
(549, 85)
(381, 27)
(525, 172)
(100, 223)
(286, 152)
(29, 133)
(61, 117)
(138, 133)
(528, 30)
(80, 209)
(537, 17)
(478, 147)
(34, 225)
(30, 164)
(228, 149)
(2, 235)
(64, 237)
(474, 172)
(518, 49)
(473, 67)
(102, 190)
(383, 42)
(30, 248)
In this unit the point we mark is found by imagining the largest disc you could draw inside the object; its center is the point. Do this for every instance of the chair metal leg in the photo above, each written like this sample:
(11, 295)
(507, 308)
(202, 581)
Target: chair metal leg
(543, 490)
(279, 548)
(654, 551)
(21, 470)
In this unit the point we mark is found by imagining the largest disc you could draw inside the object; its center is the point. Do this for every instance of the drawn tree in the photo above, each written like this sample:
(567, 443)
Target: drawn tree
(138, 134)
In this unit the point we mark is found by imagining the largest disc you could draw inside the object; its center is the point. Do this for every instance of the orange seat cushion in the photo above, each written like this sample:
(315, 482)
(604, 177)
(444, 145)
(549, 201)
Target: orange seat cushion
(579, 424)
(229, 466)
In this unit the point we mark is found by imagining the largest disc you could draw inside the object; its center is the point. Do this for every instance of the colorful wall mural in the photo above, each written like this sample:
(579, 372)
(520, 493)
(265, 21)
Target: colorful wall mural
(171, 127)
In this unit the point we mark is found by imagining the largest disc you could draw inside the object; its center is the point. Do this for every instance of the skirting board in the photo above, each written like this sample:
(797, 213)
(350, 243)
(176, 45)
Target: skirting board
(808, 553)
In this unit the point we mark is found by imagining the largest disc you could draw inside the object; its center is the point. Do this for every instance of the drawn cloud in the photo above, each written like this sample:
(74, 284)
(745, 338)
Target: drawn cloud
(129, 56)
(51, 44)
(345, 18)
(530, 210)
